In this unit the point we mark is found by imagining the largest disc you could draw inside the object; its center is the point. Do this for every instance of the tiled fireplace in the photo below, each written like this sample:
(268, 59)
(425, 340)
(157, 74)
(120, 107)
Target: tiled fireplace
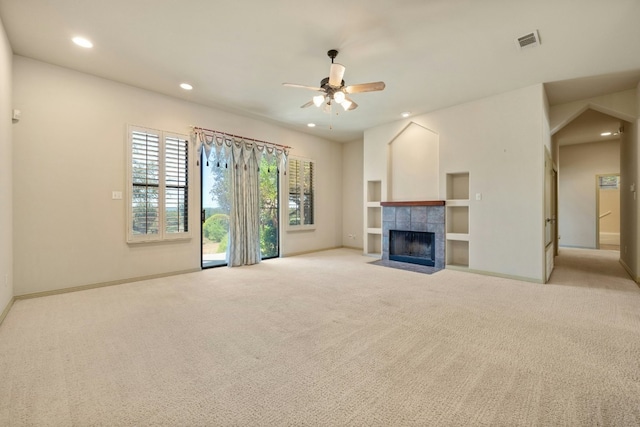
(420, 216)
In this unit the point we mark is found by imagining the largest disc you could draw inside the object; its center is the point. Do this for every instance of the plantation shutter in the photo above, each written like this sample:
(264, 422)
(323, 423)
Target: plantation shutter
(158, 177)
(145, 171)
(295, 214)
(176, 185)
(301, 192)
(308, 192)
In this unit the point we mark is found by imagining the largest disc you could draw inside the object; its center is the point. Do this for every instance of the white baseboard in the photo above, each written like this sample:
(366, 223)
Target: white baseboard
(609, 238)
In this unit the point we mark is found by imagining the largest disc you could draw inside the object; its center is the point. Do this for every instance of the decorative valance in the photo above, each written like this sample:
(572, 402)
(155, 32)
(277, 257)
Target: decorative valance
(219, 147)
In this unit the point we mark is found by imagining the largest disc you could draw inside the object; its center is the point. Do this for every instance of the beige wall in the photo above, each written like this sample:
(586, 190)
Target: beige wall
(579, 165)
(499, 141)
(69, 155)
(413, 165)
(352, 197)
(6, 179)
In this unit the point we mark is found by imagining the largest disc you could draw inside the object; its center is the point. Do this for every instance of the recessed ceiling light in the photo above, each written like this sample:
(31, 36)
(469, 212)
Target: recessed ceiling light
(605, 134)
(82, 42)
(186, 86)
(406, 114)
(311, 125)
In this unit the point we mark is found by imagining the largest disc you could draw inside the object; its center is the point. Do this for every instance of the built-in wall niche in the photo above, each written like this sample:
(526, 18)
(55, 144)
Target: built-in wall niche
(413, 165)
(458, 219)
(457, 253)
(373, 218)
(458, 186)
(374, 244)
(374, 191)
(457, 222)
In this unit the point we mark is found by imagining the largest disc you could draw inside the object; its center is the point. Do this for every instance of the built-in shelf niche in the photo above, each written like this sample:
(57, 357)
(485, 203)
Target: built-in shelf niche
(458, 186)
(457, 220)
(458, 253)
(374, 244)
(373, 218)
(374, 191)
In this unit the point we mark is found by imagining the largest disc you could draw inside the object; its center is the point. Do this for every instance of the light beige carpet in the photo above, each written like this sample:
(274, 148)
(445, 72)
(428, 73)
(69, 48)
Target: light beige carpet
(327, 339)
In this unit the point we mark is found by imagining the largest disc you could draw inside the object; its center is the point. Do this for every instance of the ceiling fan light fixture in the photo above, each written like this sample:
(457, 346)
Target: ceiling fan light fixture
(333, 90)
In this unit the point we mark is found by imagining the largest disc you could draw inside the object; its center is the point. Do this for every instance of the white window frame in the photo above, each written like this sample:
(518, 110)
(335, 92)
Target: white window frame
(302, 226)
(163, 234)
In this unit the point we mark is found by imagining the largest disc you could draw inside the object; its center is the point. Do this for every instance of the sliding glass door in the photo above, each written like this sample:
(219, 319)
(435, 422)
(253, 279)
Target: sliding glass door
(216, 207)
(269, 209)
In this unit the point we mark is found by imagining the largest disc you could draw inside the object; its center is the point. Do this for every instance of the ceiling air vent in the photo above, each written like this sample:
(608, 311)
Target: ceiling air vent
(528, 40)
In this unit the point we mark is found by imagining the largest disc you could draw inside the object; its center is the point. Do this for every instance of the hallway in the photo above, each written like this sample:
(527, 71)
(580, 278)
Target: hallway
(591, 268)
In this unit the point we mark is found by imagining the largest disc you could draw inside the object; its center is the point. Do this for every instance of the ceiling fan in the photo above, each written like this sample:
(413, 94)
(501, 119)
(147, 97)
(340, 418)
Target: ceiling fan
(332, 88)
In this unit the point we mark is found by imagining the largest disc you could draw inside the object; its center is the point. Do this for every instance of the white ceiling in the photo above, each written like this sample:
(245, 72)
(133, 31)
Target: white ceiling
(430, 53)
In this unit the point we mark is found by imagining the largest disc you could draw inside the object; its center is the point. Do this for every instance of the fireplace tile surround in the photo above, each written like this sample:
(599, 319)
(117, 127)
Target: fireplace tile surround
(415, 216)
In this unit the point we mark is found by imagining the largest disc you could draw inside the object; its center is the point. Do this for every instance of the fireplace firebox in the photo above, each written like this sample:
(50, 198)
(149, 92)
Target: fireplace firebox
(412, 246)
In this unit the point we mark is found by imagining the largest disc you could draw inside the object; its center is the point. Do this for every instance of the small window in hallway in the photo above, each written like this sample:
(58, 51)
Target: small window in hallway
(609, 182)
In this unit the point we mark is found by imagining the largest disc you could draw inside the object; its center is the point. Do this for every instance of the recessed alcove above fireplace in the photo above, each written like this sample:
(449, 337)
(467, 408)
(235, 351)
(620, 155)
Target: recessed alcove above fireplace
(405, 217)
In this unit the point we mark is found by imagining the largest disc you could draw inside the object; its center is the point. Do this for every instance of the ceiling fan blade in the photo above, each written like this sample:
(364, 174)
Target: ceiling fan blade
(336, 73)
(353, 105)
(308, 104)
(365, 87)
(302, 86)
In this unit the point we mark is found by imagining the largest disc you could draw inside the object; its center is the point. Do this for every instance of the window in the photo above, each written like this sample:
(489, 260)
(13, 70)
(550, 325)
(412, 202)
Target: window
(301, 193)
(609, 182)
(158, 169)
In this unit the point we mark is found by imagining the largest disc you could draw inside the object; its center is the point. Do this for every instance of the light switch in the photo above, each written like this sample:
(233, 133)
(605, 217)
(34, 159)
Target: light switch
(478, 196)
(116, 195)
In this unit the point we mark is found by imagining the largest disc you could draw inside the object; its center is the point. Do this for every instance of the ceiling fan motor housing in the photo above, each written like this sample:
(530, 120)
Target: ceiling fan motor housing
(324, 84)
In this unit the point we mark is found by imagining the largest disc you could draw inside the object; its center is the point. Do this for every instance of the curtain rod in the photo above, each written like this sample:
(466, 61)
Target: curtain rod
(238, 136)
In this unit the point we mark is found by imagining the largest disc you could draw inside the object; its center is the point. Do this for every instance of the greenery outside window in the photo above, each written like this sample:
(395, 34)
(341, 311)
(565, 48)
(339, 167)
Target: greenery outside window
(158, 176)
(301, 193)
